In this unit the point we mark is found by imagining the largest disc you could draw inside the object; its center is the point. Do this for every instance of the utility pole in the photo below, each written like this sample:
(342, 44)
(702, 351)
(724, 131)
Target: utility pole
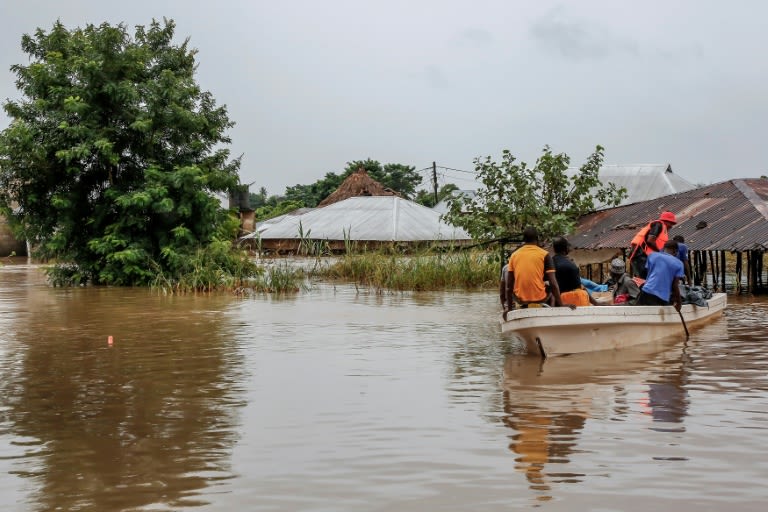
(434, 179)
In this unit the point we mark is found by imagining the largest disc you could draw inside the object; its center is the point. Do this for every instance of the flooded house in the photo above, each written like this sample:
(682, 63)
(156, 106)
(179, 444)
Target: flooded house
(725, 226)
(362, 212)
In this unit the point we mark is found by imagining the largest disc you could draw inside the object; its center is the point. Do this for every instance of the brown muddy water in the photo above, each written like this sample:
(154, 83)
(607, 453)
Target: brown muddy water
(337, 400)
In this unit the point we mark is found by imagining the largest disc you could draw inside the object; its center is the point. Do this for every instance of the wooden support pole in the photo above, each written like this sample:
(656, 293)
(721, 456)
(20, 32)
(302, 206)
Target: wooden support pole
(722, 269)
(752, 274)
(702, 264)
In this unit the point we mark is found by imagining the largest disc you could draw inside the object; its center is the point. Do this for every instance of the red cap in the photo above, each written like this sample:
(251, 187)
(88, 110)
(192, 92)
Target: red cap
(669, 217)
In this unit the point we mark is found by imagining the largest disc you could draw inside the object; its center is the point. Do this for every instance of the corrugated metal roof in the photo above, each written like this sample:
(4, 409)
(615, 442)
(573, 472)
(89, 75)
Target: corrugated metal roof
(731, 215)
(642, 181)
(380, 218)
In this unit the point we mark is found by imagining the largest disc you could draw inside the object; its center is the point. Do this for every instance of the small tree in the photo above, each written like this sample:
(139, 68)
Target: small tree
(110, 159)
(513, 196)
(427, 197)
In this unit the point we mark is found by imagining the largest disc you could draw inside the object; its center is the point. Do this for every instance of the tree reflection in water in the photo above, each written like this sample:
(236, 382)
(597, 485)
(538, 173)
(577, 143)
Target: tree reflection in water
(150, 420)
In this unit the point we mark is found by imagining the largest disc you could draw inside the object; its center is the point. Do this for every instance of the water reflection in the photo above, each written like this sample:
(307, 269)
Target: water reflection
(668, 398)
(734, 359)
(361, 401)
(548, 403)
(149, 420)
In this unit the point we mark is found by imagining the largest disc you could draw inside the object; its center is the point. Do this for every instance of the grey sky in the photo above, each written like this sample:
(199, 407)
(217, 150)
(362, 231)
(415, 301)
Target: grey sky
(315, 84)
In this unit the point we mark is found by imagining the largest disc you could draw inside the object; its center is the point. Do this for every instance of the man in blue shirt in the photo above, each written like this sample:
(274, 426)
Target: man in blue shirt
(682, 254)
(665, 271)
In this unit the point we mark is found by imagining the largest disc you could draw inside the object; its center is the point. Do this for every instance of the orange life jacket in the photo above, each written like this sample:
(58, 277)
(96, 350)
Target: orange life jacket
(639, 240)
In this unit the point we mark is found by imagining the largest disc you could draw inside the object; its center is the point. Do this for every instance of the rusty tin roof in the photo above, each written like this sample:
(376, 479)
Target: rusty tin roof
(731, 215)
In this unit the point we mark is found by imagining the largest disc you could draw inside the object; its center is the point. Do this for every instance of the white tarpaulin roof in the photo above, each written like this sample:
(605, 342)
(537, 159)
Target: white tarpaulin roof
(643, 181)
(381, 218)
(442, 206)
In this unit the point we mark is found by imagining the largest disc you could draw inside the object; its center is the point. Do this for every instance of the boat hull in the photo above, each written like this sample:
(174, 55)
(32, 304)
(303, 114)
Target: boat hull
(560, 331)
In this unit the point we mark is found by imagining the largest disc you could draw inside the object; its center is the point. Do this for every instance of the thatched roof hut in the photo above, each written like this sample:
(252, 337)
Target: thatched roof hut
(357, 184)
(369, 221)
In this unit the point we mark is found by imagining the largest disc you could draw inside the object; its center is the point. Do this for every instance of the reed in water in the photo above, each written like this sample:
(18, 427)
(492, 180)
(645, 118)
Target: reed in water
(467, 270)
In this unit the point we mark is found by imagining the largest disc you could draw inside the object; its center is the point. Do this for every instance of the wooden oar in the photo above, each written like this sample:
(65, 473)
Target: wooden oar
(684, 326)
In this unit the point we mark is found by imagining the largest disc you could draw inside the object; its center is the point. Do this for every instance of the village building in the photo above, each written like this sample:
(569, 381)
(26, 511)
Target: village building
(725, 226)
(642, 182)
(357, 184)
(362, 212)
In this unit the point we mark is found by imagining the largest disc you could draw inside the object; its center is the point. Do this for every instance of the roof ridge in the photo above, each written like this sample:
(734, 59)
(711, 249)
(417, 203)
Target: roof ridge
(752, 196)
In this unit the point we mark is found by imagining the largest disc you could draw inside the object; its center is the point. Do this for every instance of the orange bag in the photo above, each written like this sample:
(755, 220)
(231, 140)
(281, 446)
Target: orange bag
(576, 297)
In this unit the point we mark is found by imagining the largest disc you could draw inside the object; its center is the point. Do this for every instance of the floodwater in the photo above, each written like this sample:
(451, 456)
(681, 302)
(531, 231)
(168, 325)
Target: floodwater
(340, 400)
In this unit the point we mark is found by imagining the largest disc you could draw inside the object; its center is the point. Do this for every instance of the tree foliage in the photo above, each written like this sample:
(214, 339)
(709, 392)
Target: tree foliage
(514, 195)
(427, 197)
(401, 178)
(310, 195)
(112, 154)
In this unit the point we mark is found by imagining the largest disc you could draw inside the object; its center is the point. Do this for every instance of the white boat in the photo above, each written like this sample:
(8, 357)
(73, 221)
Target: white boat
(559, 331)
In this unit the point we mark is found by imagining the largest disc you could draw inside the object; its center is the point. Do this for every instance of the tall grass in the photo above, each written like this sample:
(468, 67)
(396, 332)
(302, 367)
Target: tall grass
(281, 278)
(218, 269)
(466, 270)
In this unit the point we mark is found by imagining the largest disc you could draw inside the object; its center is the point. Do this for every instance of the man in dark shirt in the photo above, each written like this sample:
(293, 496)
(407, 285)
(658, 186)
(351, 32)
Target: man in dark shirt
(568, 277)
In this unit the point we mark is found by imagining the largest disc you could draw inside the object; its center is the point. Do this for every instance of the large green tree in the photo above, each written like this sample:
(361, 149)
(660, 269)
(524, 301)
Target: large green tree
(513, 195)
(113, 153)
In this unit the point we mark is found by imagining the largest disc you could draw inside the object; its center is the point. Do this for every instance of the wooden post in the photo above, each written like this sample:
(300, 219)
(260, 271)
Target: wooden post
(722, 269)
(702, 257)
(694, 257)
(434, 179)
(738, 272)
(712, 268)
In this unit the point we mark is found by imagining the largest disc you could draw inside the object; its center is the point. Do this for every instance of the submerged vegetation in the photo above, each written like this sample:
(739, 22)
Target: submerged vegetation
(280, 278)
(467, 270)
(247, 277)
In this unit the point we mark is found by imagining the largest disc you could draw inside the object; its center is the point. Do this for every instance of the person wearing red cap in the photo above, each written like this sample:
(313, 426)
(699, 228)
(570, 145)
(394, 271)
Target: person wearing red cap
(649, 239)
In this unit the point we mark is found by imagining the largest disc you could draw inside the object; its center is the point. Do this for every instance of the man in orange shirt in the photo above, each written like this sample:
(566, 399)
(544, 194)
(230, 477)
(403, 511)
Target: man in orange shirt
(530, 270)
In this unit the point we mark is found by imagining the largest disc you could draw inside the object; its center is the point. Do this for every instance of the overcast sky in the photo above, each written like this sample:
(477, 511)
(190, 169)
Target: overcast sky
(312, 85)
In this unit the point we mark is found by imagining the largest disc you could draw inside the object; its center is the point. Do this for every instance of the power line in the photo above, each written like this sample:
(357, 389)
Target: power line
(445, 176)
(457, 170)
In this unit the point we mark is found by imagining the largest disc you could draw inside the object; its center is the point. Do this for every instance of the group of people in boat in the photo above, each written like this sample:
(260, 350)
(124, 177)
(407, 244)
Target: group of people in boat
(658, 264)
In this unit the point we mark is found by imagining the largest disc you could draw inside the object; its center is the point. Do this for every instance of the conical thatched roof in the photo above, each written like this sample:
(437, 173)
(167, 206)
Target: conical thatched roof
(357, 184)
